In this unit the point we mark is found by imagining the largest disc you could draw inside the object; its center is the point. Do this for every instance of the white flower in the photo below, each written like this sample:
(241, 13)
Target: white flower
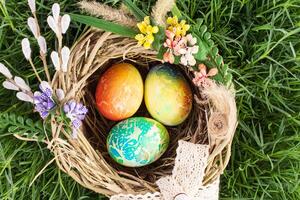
(191, 40)
(21, 84)
(55, 60)
(60, 94)
(10, 86)
(33, 26)
(56, 12)
(53, 25)
(24, 97)
(187, 57)
(26, 48)
(5, 71)
(65, 55)
(65, 23)
(31, 4)
(42, 44)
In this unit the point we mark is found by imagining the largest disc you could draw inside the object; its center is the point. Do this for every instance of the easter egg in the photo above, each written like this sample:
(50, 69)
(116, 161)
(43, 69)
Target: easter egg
(137, 141)
(119, 93)
(168, 96)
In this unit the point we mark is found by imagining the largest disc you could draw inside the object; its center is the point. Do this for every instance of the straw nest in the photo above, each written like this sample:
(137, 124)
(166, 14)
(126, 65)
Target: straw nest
(212, 121)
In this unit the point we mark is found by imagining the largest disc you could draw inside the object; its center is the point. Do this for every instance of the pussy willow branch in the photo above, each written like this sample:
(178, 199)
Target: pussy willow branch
(42, 55)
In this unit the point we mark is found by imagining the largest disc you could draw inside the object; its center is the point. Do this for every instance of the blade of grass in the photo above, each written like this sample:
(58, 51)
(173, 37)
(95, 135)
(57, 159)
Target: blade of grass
(104, 25)
(138, 13)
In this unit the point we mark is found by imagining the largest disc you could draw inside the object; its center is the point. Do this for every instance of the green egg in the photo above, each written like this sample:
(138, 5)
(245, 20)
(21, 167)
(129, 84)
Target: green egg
(137, 141)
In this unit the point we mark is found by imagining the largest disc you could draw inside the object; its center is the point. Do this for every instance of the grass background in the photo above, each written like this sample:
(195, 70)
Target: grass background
(259, 39)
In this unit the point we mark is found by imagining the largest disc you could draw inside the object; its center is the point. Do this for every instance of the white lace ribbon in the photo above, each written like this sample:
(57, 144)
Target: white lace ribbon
(185, 183)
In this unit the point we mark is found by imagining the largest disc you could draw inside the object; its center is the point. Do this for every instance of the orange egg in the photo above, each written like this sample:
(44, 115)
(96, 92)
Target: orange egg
(119, 93)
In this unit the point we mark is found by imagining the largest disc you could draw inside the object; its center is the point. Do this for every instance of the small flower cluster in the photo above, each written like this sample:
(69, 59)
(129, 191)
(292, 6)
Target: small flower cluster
(76, 113)
(44, 103)
(44, 100)
(179, 43)
(178, 28)
(146, 37)
(202, 77)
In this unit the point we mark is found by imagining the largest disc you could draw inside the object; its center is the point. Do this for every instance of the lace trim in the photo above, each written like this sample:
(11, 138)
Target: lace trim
(148, 196)
(185, 181)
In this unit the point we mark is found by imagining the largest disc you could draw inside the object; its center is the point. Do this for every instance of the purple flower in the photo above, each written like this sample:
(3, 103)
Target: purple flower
(76, 113)
(43, 99)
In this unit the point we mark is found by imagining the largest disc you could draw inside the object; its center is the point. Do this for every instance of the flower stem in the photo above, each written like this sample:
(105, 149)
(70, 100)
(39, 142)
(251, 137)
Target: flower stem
(35, 71)
(43, 58)
(61, 73)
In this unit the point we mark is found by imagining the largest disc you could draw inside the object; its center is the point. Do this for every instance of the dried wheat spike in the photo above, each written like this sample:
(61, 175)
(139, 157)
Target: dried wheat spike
(107, 12)
(160, 10)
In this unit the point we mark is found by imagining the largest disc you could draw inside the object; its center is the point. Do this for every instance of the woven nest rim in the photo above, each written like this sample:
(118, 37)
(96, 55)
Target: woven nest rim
(79, 158)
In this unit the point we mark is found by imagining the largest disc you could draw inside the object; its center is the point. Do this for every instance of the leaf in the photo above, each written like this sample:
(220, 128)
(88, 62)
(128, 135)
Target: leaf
(159, 39)
(12, 118)
(214, 51)
(199, 22)
(177, 60)
(29, 122)
(105, 25)
(39, 125)
(207, 36)
(219, 60)
(161, 52)
(203, 49)
(16, 124)
(203, 30)
(12, 129)
(208, 53)
(218, 78)
(176, 12)
(138, 13)
(20, 120)
(228, 78)
(225, 68)
(210, 43)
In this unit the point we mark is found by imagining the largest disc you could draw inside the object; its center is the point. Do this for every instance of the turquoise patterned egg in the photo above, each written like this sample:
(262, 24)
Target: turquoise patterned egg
(137, 141)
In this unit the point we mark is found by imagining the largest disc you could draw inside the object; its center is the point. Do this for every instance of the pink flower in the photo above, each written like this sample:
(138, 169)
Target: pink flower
(174, 45)
(202, 77)
(168, 57)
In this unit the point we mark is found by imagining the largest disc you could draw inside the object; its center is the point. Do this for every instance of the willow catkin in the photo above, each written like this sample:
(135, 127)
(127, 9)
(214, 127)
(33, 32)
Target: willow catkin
(107, 12)
(160, 10)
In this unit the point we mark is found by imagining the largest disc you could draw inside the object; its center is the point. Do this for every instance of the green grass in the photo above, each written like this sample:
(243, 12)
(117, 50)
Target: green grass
(259, 39)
